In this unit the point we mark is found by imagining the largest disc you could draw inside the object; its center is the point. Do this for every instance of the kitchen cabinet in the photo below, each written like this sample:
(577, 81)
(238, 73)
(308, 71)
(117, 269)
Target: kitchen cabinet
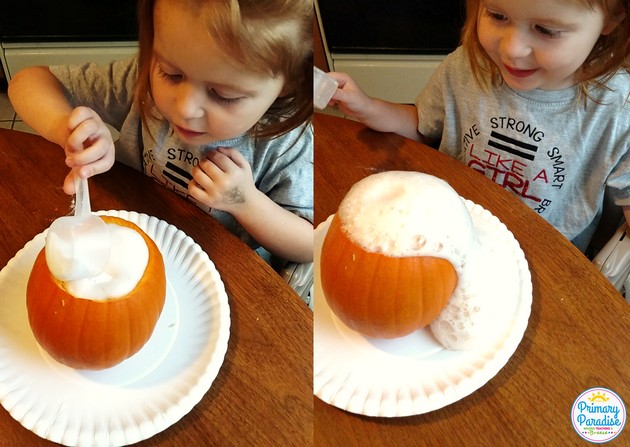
(16, 56)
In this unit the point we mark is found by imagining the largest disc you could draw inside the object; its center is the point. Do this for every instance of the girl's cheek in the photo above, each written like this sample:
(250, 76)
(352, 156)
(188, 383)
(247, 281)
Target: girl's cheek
(484, 39)
(160, 99)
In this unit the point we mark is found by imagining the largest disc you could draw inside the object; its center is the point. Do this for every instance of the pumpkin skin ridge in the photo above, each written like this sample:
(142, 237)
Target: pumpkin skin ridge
(370, 316)
(76, 345)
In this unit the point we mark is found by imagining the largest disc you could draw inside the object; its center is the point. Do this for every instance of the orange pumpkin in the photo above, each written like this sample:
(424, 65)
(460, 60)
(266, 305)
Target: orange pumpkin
(382, 296)
(91, 334)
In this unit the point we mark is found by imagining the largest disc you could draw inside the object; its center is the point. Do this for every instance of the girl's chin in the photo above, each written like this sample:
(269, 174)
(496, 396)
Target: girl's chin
(520, 84)
(533, 82)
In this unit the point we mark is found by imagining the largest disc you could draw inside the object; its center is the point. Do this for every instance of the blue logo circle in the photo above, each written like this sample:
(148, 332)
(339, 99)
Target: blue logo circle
(598, 415)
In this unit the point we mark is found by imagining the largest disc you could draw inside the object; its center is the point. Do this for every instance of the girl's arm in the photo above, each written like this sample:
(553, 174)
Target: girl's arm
(40, 100)
(377, 114)
(278, 230)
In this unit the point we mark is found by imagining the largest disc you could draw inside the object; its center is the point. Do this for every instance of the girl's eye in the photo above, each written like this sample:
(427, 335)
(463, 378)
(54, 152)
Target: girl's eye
(547, 32)
(496, 16)
(222, 99)
(173, 78)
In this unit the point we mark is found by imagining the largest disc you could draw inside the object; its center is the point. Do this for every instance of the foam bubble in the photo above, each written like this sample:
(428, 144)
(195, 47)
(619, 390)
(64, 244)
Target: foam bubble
(478, 312)
(129, 256)
(465, 321)
(401, 213)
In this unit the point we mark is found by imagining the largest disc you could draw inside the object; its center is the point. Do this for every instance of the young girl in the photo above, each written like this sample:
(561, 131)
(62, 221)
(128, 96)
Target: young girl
(216, 107)
(536, 98)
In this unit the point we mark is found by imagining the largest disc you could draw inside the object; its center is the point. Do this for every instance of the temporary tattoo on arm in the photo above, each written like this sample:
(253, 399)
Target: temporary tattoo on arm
(234, 196)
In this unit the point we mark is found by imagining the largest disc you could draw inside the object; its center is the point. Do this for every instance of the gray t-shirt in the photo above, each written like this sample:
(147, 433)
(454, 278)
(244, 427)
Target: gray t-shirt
(282, 167)
(556, 154)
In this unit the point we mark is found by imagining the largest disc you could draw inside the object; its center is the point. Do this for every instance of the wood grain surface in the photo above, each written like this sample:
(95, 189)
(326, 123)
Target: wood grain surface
(578, 335)
(263, 392)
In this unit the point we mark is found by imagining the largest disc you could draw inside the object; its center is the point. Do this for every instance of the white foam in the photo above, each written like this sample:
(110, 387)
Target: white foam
(129, 256)
(400, 214)
(480, 309)
(414, 214)
(466, 320)
(77, 247)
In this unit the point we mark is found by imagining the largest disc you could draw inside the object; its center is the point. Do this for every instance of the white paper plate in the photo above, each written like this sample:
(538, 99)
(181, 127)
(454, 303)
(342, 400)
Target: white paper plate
(415, 374)
(141, 396)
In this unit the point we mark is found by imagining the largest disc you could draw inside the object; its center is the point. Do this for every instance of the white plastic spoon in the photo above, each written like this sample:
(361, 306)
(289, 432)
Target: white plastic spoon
(78, 246)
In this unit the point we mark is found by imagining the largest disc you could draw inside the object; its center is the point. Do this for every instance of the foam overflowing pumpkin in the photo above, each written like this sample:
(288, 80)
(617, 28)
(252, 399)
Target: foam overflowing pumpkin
(390, 259)
(96, 323)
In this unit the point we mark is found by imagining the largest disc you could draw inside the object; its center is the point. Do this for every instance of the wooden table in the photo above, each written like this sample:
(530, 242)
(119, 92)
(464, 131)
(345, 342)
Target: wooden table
(263, 392)
(578, 335)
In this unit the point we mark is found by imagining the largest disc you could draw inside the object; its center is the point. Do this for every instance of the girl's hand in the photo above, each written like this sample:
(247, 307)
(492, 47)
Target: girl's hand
(349, 97)
(377, 114)
(89, 148)
(223, 180)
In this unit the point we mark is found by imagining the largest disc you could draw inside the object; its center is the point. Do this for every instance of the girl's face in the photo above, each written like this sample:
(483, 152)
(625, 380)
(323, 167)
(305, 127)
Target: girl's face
(203, 94)
(539, 44)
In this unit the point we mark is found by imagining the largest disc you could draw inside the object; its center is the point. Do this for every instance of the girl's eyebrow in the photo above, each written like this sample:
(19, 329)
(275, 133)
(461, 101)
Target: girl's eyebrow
(553, 22)
(486, 4)
(219, 85)
(232, 88)
(163, 60)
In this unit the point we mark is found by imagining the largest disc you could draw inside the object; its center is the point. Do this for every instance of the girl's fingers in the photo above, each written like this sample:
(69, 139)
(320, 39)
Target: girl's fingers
(234, 155)
(85, 126)
(81, 136)
(219, 159)
(97, 151)
(222, 159)
(80, 114)
(210, 168)
(68, 184)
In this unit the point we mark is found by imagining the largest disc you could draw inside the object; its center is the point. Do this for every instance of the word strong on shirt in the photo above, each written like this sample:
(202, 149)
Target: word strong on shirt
(512, 153)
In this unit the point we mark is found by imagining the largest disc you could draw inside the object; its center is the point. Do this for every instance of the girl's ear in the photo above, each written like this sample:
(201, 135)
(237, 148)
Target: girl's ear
(615, 17)
(287, 88)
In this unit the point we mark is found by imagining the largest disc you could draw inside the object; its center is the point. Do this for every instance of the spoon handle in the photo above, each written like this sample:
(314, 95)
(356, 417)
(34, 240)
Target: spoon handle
(82, 200)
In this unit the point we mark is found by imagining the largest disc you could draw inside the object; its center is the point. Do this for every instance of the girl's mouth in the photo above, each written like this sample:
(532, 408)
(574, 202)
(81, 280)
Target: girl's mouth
(516, 72)
(187, 133)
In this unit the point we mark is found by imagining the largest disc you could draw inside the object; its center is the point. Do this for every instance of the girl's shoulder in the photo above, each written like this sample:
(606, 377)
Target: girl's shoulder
(456, 62)
(455, 72)
(623, 76)
(115, 70)
(299, 138)
(614, 90)
(619, 82)
(457, 57)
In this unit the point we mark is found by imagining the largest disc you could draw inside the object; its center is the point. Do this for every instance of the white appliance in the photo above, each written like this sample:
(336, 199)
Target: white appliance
(41, 32)
(16, 56)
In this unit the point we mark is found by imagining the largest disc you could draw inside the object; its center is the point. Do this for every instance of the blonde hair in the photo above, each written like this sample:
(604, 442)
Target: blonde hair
(268, 36)
(610, 53)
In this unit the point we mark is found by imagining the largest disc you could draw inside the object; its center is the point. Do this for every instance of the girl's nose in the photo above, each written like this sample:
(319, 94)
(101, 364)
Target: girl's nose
(189, 102)
(514, 44)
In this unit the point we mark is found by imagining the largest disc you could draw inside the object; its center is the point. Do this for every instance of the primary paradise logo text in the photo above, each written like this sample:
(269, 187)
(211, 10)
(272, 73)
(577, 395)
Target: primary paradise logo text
(598, 415)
